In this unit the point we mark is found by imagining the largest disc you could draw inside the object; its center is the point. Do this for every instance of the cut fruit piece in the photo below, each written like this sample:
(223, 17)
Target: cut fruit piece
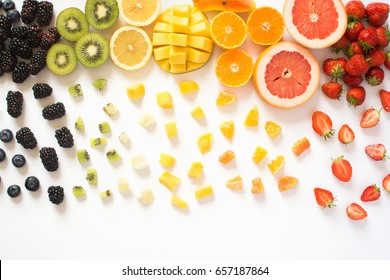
(259, 154)
(204, 142)
(188, 87)
(113, 156)
(169, 180)
(195, 170)
(257, 185)
(164, 100)
(75, 90)
(171, 130)
(130, 48)
(139, 12)
(61, 59)
(300, 146)
(178, 202)
(92, 176)
(315, 24)
(235, 183)
(72, 24)
(286, 183)
(276, 164)
(99, 84)
(123, 185)
(92, 50)
(105, 194)
(78, 191)
(197, 113)
(79, 124)
(231, 5)
(356, 212)
(204, 192)
(110, 109)
(226, 98)
(104, 127)
(139, 162)
(227, 157)
(145, 196)
(252, 118)
(227, 129)
(135, 91)
(147, 120)
(100, 141)
(286, 75)
(83, 155)
(124, 138)
(228, 30)
(234, 68)
(167, 160)
(272, 129)
(265, 26)
(101, 14)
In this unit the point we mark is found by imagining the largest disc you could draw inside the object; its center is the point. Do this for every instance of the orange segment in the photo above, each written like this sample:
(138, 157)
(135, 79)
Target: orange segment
(252, 118)
(265, 26)
(272, 129)
(227, 129)
(227, 157)
(225, 98)
(276, 164)
(234, 68)
(286, 183)
(228, 30)
(139, 12)
(257, 185)
(300, 146)
(235, 183)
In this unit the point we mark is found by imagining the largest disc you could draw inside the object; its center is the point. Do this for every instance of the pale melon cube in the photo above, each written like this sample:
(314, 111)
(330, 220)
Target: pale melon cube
(197, 56)
(145, 196)
(204, 192)
(162, 27)
(188, 86)
(178, 202)
(147, 120)
(167, 160)
(195, 170)
(162, 52)
(201, 43)
(160, 39)
(178, 55)
(197, 113)
(124, 138)
(139, 162)
(135, 91)
(169, 180)
(171, 129)
(179, 39)
(123, 185)
(164, 100)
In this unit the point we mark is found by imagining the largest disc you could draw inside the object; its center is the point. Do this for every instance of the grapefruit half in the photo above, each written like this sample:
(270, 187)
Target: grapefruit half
(286, 75)
(315, 24)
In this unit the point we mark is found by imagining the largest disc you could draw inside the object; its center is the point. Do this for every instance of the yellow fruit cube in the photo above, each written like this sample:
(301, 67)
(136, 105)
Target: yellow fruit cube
(162, 27)
(188, 86)
(179, 39)
(195, 170)
(257, 185)
(201, 43)
(145, 196)
(227, 129)
(167, 160)
(197, 56)
(204, 142)
(147, 120)
(204, 192)
(227, 157)
(197, 113)
(177, 68)
(110, 109)
(178, 202)
(272, 129)
(259, 154)
(161, 39)
(286, 183)
(164, 100)
(171, 130)
(235, 183)
(196, 17)
(123, 185)
(200, 29)
(252, 118)
(169, 180)
(135, 91)
(180, 24)
(178, 55)
(161, 53)
(276, 164)
(225, 98)
(182, 10)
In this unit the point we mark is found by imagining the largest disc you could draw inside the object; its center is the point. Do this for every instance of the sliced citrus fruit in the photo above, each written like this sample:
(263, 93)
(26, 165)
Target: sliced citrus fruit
(234, 68)
(257, 185)
(235, 183)
(315, 24)
(286, 75)
(139, 12)
(231, 5)
(276, 164)
(287, 182)
(228, 30)
(272, 129)
(130, 48)
(227, 157)
(227, 129)
(252, 118)
(225, 98)
(265, 26)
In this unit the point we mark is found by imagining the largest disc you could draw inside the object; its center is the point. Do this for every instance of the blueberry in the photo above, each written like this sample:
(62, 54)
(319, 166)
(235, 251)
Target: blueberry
(13, 191)
(18, 161)
(8, 5)
(14, 15)
(32, 183)
(2, 155)
(6, 135)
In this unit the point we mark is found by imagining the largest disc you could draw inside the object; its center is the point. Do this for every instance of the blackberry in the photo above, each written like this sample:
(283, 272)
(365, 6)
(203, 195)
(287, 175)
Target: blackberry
(49, 38)
(49, 158)
(54, 111)
(4, 35)
(14, 103)
(56, 194)
(36, 35)
(42, 91)
(20, 48)
(32, 183)
(21, 72)
(13, 191)
(20, 32)
(2, 46)
(26, 138)
(45, 13)
(5, 23)
(29, 11)
(38, 62)
(64, 137)
(8, 61)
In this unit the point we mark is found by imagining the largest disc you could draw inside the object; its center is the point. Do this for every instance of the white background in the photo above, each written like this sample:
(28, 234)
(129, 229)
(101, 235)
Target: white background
(232, 225)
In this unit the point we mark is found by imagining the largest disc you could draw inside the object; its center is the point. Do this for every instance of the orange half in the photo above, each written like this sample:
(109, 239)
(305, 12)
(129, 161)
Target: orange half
(228, 30)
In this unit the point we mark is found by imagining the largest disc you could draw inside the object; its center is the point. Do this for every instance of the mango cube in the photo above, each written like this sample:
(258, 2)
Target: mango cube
(169, 180)
(235, 183)
(276, 164)
(161, 53)
(272, 129)
(135, 91)
(252, 118)
(227, 157)
(167, 160)
(204, 192)
(204, 142)
(259, 154)
(199, 29)
(182, 10)
(180, 24)
(162, 27)
(145, 196)
(227, 129)
(177, 55)
(257, 185)
(197, 113)
(195, 170)
(178, 68)
(188, 86)
(178, 202)
(171, 130)
(201, 43)
(179, 39)
(160, 39)
(164, 100)
(197, 56)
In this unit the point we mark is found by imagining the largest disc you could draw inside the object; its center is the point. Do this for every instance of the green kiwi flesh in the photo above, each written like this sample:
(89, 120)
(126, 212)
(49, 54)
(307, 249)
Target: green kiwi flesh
(92, 50)
(72, 24)
(101, 14)
(61, 59)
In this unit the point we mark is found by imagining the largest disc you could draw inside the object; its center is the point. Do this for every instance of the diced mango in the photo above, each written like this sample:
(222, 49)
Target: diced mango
(227, 157)
(204, 192)
(171, 129)
(181, 10)
(162, 52)
(196, 17)
(166, 17)
(178, 68)
(257, 185)
(162, 27)
(135, 91)
(197, 113)
(167, 160)
(179, 39)
(145, 196)
(276, 164)
(195, 170)
(227, 129)
(178, 202)
(200, 29)
(300, 146)
(164, 64)
(252, 118)
(272, 129)
(235, 183)
(191, 66)
(160, 39)
(188, 87)
(286, 183)
(180, 24)
(202, 43)
(164, 100)
(204, 142)
(178, 55)
(169, 180)
(197, 56)
(259, 154)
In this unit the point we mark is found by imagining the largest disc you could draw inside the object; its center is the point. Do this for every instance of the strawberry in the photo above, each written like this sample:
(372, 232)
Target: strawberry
(375, 76)
(376, 152)
(322, 124)
(371, 193)
(355, 9)
(377, 13)
(370, 118)
(341, 44)
(342, 169)
(383, 36)
(387, 61)
(356, 212)
(354, 48)
(386, 183)
(385, 99)
(324, 197)
(334, 67)
(357, 65)
(346, 134)
(376, 57)
(356, 96)
(333, 90)
(353, 30)
(367, 38)
(352, 81)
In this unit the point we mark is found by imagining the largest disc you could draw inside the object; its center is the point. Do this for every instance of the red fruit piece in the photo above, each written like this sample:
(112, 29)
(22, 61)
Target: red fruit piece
(342, 169)
(356, 96)
(353, 30)
(354, 48)
(341, 44)
(333, 90)
(377, 13)
(324, 197)
(371, 193)
(346, 134)
(386, 183)
(383, 36)
(334, 67)
(376, 57)
(352, 81)
(367, 38)
(356, 212)
(370, 118)
(322, 124)
(387, 61)
(357, 65)
(376, 152)
(375, 76)
(385, 99)
(355, 9)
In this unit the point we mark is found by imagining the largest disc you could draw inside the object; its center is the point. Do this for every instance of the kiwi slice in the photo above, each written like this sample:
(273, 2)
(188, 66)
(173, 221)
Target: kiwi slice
(83, 155)
(101, 14)
(61, 59)
(113, 156)
(78, 191)
(95, 142)
(79, 124)
(75, 90)
(99, 84)
(104, 127)
(92, 176)
(92, 50)
(72, 24)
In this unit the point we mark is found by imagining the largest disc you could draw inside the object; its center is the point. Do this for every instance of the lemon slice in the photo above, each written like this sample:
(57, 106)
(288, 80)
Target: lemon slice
(139, 12)
(130, 48)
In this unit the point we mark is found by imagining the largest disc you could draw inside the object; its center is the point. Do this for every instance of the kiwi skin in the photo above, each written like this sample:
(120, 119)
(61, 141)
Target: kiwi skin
(61, 59)
(92, 50)
(72, 24)
(101, 14)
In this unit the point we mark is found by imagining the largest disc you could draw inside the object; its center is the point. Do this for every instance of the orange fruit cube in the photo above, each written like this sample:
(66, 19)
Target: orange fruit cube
(276, 164)
(227, 157)
(257, 185)
(272, 129)
(259, 154)
(300, 146)
(235, 183)
(286, 183)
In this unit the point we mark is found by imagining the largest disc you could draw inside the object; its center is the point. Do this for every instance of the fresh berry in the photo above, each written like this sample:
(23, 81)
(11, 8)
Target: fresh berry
(38, 62)
(2, 46)
(353, 30)
(41, 90)
(386, 183)
(356, 96)
(383, 34)
(376, 57)
(21, 72)
(8, 5)
(36, 35)
(322, 124)
(13, 191)
(26, 138)
(20, 32)
(45, 13)
(3, 155)
(346, 134)
(54, 111)
(18, 160)
(370, 118)
(376, 151)
(29, 11)
(357, 65)
(367, 38)
(354, 48)
(333, 90)
(334, 67)
(387, 61)
(20, 48)
(5, 27)
(324, 197)
(377, 13)
(13, 15)
(375, 76)
(356, 212)
(49, 38)
(385, 99)
(56, 194)
(341, 44)
(32, 183)
(371, 193)
(342, 169)
(6, 135)
(14, 103)
(8, 61)
(49, 158)
(64, 137)
(355, 9)
(352, 81)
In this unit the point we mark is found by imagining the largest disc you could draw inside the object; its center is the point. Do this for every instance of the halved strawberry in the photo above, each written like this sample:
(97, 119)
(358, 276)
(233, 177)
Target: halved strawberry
(371, 193)
(385, 99)
(386, 183)
(342, 169)
(356, 212)
(370, 118)
(376, 151)
(346, 134)
(324, 197)
(322, 124)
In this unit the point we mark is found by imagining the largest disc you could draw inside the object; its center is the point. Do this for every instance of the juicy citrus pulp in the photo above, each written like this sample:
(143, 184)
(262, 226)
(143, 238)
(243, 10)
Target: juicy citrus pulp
(225, 98)
(139, 12)
(228, 30)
